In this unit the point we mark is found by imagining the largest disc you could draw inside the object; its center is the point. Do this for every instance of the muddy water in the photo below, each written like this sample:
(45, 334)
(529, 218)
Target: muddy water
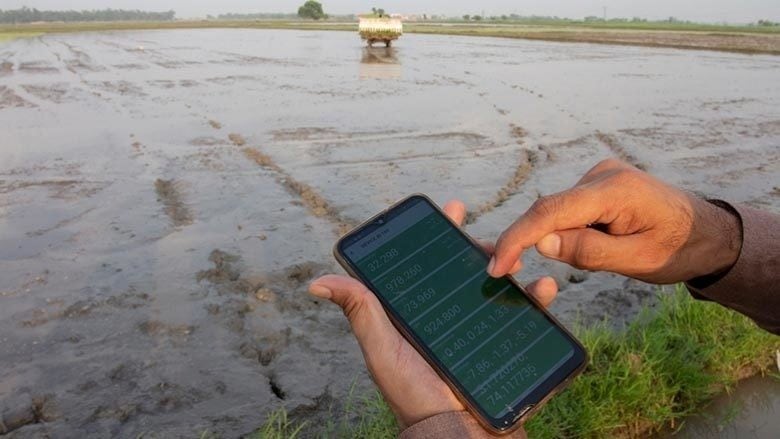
(165, 196)
(748, 411)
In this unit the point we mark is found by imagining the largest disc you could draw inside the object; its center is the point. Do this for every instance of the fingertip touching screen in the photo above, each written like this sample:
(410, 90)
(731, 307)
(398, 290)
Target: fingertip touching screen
(492, 342)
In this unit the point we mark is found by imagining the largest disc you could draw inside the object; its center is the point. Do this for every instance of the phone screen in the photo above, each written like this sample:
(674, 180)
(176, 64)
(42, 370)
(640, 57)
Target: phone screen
(495, 345)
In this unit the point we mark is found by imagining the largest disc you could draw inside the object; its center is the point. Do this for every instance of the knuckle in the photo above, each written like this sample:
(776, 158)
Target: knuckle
(653, 261)
(588, 255)
(355, 304)
(626, 177)
(546, 206)
(610, 163)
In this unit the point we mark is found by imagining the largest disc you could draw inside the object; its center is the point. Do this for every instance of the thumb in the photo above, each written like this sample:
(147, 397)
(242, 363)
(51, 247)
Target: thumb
(365, 314)
(591, 249)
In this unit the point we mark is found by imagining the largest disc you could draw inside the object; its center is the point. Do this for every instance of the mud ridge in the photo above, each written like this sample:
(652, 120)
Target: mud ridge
(10, 99)
(612, 143)
(59, 189)
(170, 195)
(57, 92)
(306, 133)
(237, 139)
(528, 161)
(314, 202)
(59, 224)
(38, 410)
(518, 133)
(37, 67)
(6, 67)
(226, 273)
(86, 308)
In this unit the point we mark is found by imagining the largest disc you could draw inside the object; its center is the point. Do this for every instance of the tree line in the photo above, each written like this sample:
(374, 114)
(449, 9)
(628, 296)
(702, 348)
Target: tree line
(28, 15)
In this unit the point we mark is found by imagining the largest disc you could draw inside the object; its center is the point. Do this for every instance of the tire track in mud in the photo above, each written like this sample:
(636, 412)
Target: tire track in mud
(314, 202)
(611, 142)
(526, 165)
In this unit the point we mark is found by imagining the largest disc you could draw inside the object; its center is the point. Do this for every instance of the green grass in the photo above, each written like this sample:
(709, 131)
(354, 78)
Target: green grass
(6, 36)
(664, 366)
(366, 417)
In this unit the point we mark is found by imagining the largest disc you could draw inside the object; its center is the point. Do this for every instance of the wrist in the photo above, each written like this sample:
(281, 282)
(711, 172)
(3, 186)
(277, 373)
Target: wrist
(719, 230)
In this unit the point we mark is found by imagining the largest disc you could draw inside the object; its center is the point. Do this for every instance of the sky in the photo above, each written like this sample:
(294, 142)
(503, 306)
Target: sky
(732, 11)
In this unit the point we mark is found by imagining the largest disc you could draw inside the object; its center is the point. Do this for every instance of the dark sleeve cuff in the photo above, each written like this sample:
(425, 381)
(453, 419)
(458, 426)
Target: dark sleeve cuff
(752, 285)
(453, 425)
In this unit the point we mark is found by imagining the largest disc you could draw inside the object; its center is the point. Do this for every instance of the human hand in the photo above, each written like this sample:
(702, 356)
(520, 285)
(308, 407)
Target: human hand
(408, 383)
(620, 219)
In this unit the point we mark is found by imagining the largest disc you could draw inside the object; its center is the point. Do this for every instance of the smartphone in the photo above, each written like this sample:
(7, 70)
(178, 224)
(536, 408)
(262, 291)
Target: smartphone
(501, 353)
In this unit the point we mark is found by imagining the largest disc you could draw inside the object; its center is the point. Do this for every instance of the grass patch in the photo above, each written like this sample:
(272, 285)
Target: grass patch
(6, 35)
(367, 417)
(664, 366)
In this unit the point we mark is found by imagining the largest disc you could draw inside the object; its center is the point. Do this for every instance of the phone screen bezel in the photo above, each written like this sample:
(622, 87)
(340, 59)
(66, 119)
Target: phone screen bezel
(525, 407)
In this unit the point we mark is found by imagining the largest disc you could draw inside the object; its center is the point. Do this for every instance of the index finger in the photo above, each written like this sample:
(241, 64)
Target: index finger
(573, 208)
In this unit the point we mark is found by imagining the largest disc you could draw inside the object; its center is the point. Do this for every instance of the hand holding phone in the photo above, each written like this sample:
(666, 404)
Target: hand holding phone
(411, 386)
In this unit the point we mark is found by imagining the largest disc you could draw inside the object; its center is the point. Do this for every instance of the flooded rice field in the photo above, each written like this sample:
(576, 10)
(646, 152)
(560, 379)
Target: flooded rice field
(166, 196)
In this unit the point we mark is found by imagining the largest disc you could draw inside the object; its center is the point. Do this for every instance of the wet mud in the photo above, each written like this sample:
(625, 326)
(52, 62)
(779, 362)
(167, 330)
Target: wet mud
(163, 209)
(618, 151)
(747, 411)
(170, 195)
(528, 160)
(307, 195)
(10, 99)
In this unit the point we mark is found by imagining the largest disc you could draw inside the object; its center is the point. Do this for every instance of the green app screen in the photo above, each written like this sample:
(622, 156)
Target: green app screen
(483, 330)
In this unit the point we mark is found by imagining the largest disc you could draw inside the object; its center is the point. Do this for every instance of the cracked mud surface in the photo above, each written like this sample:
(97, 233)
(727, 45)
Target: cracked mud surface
(162, 210)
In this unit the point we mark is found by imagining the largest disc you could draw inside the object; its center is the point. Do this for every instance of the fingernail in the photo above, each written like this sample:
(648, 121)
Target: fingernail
(320, 291)
(550, 245)
(491, 265)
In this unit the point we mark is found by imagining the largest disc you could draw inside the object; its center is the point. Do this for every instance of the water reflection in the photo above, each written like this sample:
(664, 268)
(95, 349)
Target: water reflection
(380, 63)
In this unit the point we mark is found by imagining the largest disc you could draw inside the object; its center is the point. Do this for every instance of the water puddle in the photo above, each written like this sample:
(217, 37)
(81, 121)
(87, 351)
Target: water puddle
(749, 411)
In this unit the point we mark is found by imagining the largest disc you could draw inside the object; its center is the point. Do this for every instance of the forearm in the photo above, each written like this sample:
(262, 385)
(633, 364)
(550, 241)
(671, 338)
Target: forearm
(751, 285)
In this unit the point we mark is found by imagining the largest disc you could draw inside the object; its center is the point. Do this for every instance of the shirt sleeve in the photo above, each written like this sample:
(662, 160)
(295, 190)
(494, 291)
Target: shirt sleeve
(752, 285)
(453, 425)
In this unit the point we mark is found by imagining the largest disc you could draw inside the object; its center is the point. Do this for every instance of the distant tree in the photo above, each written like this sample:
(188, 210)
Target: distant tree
(27, 15)
(505, 17)
(312, 9)
(477, 18)
(467, 17)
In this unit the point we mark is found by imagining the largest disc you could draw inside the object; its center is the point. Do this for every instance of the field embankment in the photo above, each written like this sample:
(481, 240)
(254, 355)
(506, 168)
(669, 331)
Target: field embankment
(741, 39)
